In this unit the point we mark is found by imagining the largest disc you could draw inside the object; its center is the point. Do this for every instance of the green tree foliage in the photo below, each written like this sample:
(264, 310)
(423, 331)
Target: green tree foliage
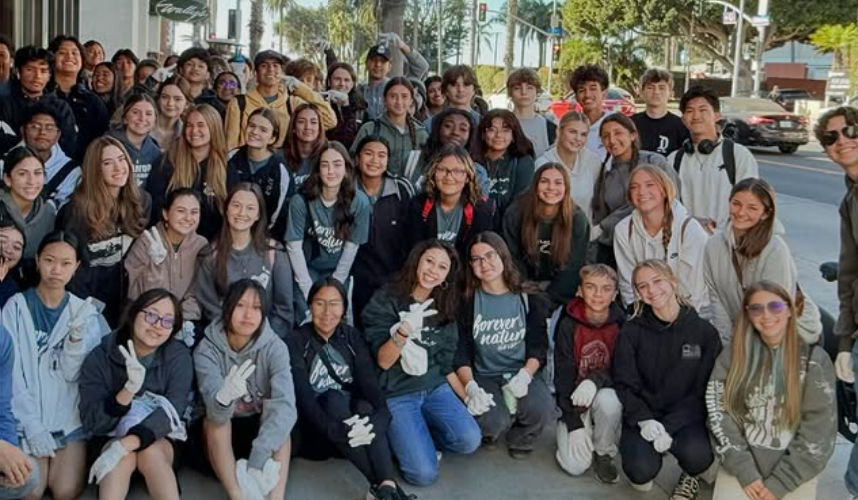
(352, 26)
(303, 29)
(454, 19)
(837, 39)
(536, 13)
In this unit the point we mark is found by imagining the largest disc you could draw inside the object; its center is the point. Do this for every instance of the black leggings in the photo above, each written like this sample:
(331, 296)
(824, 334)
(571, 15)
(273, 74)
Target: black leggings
(641, 462)
(374, 461)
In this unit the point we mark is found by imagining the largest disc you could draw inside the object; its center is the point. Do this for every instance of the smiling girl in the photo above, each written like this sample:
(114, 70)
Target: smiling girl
(138, 121)
(304, 142)
(173, 97)
(20, 200)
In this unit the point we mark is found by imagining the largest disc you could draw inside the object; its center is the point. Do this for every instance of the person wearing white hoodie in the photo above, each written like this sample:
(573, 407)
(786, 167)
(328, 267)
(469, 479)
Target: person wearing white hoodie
(52, 331)
(661, 228)
(748, 250)
(245, 381)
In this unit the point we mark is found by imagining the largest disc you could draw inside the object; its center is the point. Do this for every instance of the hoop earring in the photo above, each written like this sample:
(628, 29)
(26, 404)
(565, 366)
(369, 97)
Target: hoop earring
(444, 285)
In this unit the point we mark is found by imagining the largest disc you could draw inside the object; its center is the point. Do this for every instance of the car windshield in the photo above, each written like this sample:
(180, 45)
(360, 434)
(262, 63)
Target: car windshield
(615, 94)
(739, 105)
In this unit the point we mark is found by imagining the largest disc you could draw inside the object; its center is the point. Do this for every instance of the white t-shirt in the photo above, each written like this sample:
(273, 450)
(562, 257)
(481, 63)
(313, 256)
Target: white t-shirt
(585, 172)
(594, 142)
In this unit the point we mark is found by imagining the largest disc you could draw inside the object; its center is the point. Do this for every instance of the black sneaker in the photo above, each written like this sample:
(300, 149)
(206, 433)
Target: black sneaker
(386, 492)
(519, 454)
(686, 488)
(401, 495)
(604, 469)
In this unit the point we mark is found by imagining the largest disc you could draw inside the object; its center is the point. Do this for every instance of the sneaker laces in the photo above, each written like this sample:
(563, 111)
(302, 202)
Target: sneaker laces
(686, 487)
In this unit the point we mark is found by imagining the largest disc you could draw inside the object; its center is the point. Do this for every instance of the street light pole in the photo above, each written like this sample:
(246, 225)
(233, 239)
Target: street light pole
(737, 59)
(552, 40)
(440, 41)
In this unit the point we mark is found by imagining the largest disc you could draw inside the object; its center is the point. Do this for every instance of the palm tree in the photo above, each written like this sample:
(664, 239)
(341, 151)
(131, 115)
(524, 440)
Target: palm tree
(257, 25)
(836, 39)
(280, 7)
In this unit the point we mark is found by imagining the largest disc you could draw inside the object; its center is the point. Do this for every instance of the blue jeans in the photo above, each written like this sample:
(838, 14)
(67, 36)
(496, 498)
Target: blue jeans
(852, 468)
(425, 420)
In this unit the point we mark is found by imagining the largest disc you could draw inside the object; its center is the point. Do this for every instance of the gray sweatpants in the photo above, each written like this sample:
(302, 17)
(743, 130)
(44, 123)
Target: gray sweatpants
(604, 425)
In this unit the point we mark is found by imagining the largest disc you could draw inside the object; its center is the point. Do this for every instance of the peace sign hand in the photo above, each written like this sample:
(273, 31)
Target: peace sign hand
(235, 383)
(412, 321)
(157, 249)
(136, 371)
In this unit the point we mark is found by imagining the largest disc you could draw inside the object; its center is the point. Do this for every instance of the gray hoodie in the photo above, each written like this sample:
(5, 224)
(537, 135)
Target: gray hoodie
(270, 387)
(755, 449)
(143, 160)
(38, 223)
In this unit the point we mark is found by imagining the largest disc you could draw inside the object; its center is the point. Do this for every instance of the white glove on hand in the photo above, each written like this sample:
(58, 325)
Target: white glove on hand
(76, 322)
(581, 445)
(42, 445)
(246, 483)
(477, 400)
(136, 371)
(391, 39)
(651, 429)
(414, 359)
(361, 431)
(157, 250)
(291, 83)
(518, 384)
(843, 367)
(662, 443)
(108, 461)
(187, 334)
(266, 479)
(584, 394)
(412, 321)
(337, 97)
(235, 383)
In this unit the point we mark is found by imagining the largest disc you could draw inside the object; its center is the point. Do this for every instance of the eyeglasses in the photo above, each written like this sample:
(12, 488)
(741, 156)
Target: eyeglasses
(324, 304)
(775, 307)
(153, 319)
(456, 173)
(830, 137)
(228, 84)
(489, 257)
(40, 127)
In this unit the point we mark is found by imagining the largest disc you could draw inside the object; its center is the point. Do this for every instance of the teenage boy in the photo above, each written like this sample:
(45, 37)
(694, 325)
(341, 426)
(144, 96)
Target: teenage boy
(523, 86)
(18, 474)
(272, 91)
(41, 134)
(590, 84)
(33, 65)
(459, 84)
(837, 132)
(378, 70)
(708, 166)
(90, 112)
(588, 432)
(659, 130)
(6, 51)
(195, 65)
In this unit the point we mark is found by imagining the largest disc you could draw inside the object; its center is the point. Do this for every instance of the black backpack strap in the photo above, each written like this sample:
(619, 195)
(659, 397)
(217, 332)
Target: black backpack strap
(551, 129)
(320, 350)
(376, 127)
(241, 99)
(52, 185)
(309, 231)
(677, 160)
(729, 153)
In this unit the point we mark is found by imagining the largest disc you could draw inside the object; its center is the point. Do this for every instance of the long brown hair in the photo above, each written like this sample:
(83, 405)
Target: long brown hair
(291, 149)
(471, 192)
(668, 188)
(102, 214)
(446, 295)
(627, 123)
(343, 217)
(561, 231)
(751, 244)
(185, 167)
(511, 275)
(222, 245)
(520, 146)
(752, 363)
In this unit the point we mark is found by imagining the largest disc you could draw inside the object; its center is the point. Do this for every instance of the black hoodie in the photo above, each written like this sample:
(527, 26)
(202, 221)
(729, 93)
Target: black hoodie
(275, 180)
(661, 370)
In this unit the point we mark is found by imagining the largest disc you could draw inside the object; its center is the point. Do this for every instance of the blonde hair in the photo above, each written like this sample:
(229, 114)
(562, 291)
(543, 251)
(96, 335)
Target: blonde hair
(660, 268)
(598, 271)
(667, 187)
(752, 363)
(572, 117)
(185, 167)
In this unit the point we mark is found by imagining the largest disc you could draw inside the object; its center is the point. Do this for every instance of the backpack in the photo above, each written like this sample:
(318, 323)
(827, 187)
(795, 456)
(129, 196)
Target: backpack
(729, 160)
(51, 187)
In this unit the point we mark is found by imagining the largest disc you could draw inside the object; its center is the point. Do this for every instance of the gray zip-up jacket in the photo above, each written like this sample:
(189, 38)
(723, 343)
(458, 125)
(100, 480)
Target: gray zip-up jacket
(754, 448)
(847, 271)
(270, 389)
(36, 224)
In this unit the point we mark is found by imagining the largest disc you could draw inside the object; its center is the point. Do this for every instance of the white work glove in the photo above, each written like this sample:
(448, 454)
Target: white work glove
(76, 322)
(651, 429)
(662, 443)
(42, 445)
(584, 394)
(266, 479)
(519, 383)
(412, 321)
(163, 73)
(581, 445)
(235, 383)
(414, 359)
(843, 367)
(338, 97)
(136, 371)
(247, 483)
(291, 83)
(157, 250)
(187, 333)
(108, 461)
(391, 39)
(477, 400)
(360, 433)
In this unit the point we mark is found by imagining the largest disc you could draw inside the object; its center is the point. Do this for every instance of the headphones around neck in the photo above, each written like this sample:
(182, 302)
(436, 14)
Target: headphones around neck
(704, 147)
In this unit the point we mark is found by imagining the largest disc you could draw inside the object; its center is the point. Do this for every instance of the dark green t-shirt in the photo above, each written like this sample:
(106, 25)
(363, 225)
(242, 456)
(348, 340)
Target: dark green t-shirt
(500, 324)
(320, 379)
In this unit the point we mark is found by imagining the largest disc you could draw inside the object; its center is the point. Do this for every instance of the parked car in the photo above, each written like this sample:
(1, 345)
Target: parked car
(500, 99)
(761, 122)
(787, 97)
(617, 99)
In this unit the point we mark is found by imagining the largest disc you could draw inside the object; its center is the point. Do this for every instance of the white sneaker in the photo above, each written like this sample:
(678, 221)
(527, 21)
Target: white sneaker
(643, 488)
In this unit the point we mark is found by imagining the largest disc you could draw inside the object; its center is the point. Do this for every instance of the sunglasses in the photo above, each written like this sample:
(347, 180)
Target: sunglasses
(228, 84)
(775, 307)
(830, 137)
(167, 322)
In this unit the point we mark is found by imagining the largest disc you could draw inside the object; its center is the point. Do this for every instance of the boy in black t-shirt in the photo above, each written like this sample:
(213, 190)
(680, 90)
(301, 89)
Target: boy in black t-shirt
(659, 129)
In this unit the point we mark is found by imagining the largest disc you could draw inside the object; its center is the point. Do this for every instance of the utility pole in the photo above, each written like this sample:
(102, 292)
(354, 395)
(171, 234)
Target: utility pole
(689, 46)
(553, 39)
(497, 35)
(737, 58)
(474, 41)
(511, 15)
(440, 41)
(761, 23)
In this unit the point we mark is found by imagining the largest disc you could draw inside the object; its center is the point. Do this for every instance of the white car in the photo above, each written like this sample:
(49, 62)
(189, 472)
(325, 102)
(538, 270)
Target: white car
(500, 99)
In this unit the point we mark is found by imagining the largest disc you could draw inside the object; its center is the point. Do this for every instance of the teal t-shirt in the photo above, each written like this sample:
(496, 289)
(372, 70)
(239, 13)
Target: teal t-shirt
(500, 324)
(320, 378)
(44, 318)
(300, 175)
(449, 223)
(322, 248)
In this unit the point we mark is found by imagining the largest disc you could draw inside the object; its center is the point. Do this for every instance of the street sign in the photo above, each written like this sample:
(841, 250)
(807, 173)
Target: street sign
(760, 21)
(558, 31)
(729, 16)
(182, 11)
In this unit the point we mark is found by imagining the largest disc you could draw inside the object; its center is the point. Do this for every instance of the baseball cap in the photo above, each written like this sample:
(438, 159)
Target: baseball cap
(379, 50)
(267, 55)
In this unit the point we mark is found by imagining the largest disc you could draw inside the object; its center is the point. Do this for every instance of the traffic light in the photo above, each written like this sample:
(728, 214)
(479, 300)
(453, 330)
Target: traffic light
(556, 51)
(484, 8)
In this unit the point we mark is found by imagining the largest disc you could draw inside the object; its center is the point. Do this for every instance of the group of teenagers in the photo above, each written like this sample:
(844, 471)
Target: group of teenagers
(286, 274)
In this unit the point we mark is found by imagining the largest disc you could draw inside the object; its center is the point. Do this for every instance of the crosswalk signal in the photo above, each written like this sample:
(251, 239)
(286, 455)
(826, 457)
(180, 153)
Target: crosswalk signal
(484, 8)
(556, 51)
